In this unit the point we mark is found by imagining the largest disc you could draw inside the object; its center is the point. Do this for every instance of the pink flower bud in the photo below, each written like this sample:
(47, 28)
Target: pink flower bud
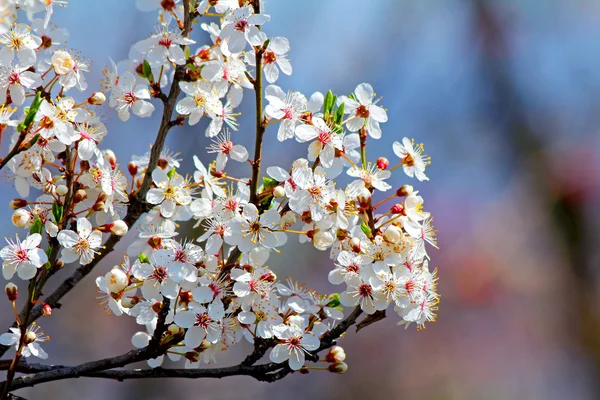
(355, 245)
(118, 228)
(18, 203)
(46, 310)
(382, 163)
(336, 355)
(397, 209)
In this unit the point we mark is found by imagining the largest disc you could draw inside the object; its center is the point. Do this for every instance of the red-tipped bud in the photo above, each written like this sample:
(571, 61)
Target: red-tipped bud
(405, 190)
(46, 310)
(162, 163)
(336, 355)
(80, 196)
(97, 99)
(397, 209)
(12, 291)
(355, 245)
(383, 163)
(132, 168)
(18, 203)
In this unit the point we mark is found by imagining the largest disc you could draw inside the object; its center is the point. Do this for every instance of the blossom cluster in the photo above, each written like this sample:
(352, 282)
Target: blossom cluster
(215, 289)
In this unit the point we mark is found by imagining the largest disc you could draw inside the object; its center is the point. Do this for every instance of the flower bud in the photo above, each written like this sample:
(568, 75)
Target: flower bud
(99, 206)
(46, 310)
(58, 265)
(382, 163)
(397, 209)
(132, 168)
(84, 165)
(192, 356)
(129, 301)
(116, 280)
(278, 192)
(21, 218)
(119, 228)
(112, 158)
(80, 196)
(18, 203)
(97, 99)
(355, 245)
(363, 197)
(12, 291)
(62, 62)
(61, 190)
(405, 190)
(393, 234)
(336, 355)
(30, 337)
(322, 240)
(205, 345)
(338, 368)
(174, 329)
(155, 242)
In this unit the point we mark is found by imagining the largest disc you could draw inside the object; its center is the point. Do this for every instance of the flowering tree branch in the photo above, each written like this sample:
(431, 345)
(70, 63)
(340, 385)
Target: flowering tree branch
(197, 298)
(104, 368)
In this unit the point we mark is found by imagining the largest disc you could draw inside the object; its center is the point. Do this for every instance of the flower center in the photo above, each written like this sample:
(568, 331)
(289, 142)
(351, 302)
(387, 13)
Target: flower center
(82, 245)
(46, 123)
(325, 137)
(165, 42)
(269, 57)
(365, 290)
(21, 255)
(13, 78)
(181, 256)
(203, 320)
(293, 342)
(226, 147)
(241, 25)
(353, 268)
(159, 274)
(362, 112)
(167, 5)
(130, 98)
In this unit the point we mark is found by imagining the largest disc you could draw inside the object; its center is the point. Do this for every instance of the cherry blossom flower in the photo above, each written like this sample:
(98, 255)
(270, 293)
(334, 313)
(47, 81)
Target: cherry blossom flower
(251, 229)
(169, 193)
(33, 337)
(225, 148)
(24, 257)
(14, 81)
(412, 159)
(294, 344)
(130, 95)
(241, 26)
(200, 99)
(21, 42)
(363, 111)
(80, 245)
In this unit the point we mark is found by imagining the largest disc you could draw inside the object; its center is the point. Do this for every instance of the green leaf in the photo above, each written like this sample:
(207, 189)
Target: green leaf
(143, 258)
(147, 71)
(335, 300)
(269, 182)
(366, 230)
(353, 97)
(339, 114)
(37, 226)
(31, 112)
(171, 173)
(57, 212)
(328, 102)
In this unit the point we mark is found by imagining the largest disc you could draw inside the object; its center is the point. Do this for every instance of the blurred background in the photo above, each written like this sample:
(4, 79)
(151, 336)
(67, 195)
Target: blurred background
(505, 95)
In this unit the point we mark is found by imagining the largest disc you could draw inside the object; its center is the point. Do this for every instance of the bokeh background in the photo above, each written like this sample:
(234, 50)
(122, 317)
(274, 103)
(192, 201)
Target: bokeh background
(506, 97)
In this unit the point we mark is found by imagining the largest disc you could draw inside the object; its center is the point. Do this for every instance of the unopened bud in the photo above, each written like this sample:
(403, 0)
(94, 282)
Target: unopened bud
(173, 329)
(129, 301)
(397, 209)
(393, 234)
(382, 163)
(119, 228)
(12, 291)
(61, 190)
(336, 355)
(30, 337)
(21, 218)
(132, 168)
(355, 245)
(205, 345)
(58, 265)
(46, 310)
(80, 196)
(405, 190)
(157, 307)
(18, 203)
(363, 197)
(338, 368)
(97, 99)
(278, 192)
(322, 240)
(99, 206)
(116, 280)
(112, 158)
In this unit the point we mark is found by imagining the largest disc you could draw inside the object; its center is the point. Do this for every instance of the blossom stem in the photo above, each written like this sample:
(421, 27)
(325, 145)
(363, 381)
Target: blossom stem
(384, 200)
(350, 160)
